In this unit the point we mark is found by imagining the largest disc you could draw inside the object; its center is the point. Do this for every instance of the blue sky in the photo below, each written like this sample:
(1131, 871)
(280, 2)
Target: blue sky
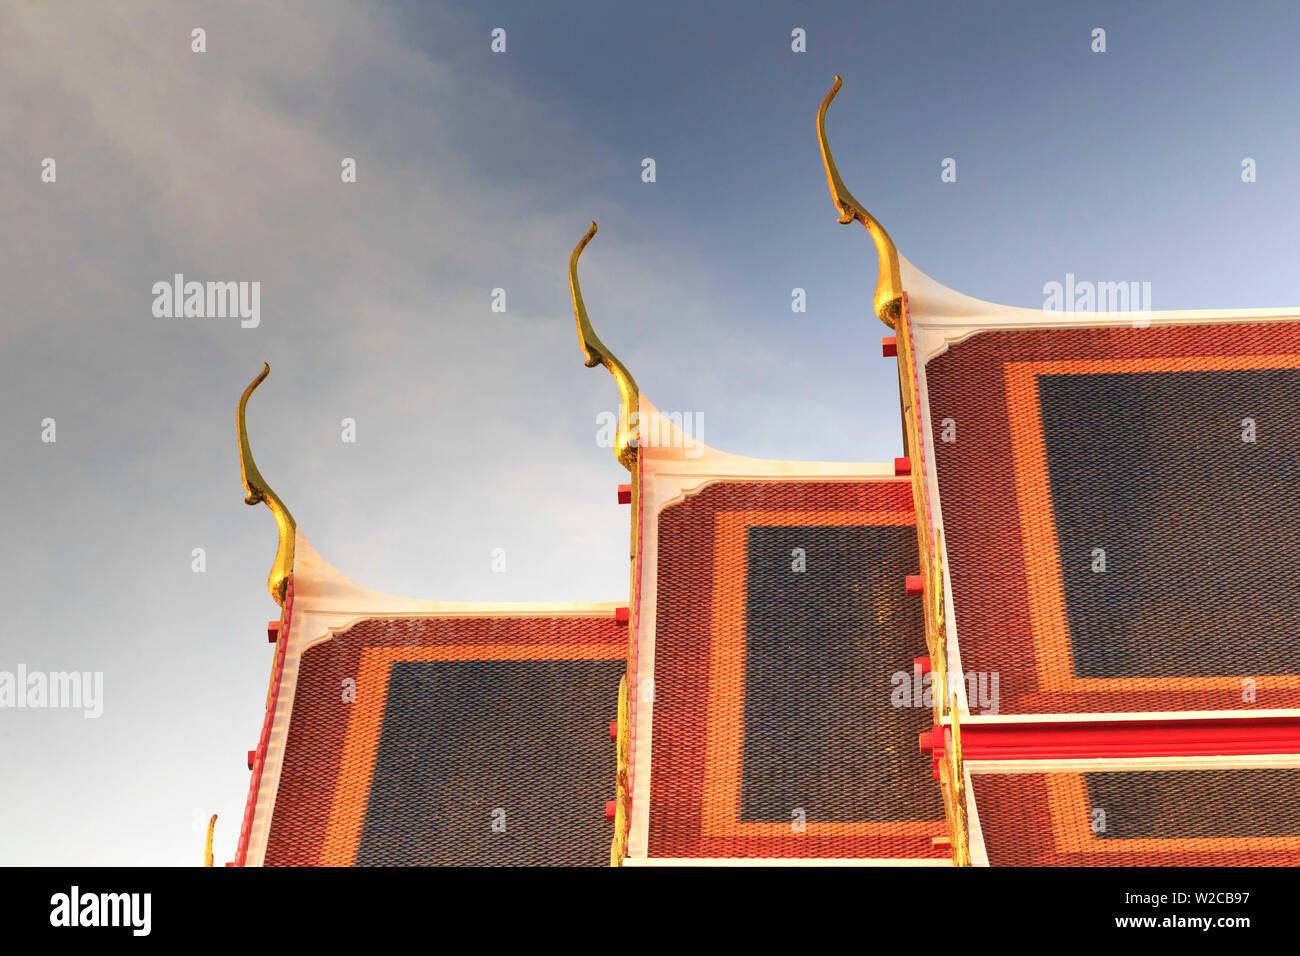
(479, 171)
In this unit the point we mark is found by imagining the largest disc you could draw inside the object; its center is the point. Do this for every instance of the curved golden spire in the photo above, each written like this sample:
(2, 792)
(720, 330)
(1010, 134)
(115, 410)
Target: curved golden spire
(595, 353)
(889, 287)
(260, 492)
(207, 846)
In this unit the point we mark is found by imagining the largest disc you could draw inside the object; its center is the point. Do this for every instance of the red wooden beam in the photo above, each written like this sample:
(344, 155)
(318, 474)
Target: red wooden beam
(1166, 737)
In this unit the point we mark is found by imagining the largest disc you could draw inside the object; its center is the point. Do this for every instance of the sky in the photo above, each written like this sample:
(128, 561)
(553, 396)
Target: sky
(479, 170)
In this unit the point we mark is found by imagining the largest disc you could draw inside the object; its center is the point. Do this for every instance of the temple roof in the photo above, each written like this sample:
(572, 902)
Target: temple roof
(408, 732)
(1076, 591)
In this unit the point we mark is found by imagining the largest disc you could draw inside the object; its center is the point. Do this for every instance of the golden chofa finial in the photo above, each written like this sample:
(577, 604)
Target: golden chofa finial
(207, 846)
(260, 492)
(889, 287)
(595, 353)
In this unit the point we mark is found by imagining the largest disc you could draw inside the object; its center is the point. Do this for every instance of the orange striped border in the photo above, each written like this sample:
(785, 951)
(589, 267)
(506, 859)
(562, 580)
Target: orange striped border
(726, 705)
(361, 742)
(1067, 801)
(1046, 596)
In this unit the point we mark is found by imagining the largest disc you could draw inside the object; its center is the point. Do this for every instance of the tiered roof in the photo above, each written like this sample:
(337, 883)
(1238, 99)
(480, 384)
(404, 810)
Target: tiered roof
(1076, 590)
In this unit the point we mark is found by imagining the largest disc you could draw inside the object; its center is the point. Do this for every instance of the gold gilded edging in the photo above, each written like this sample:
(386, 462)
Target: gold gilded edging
(622, 796)
(888, 302)
(930, 550)
(595, 353)
(259, 492)
(207, 846)
(952, 781)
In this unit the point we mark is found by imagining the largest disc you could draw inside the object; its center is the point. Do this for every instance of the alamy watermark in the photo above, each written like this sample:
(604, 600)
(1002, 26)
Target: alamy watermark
(75, 908)
(662, 430)
(1074, 297)
(916, 689)
(179, 299)
(59, 690)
